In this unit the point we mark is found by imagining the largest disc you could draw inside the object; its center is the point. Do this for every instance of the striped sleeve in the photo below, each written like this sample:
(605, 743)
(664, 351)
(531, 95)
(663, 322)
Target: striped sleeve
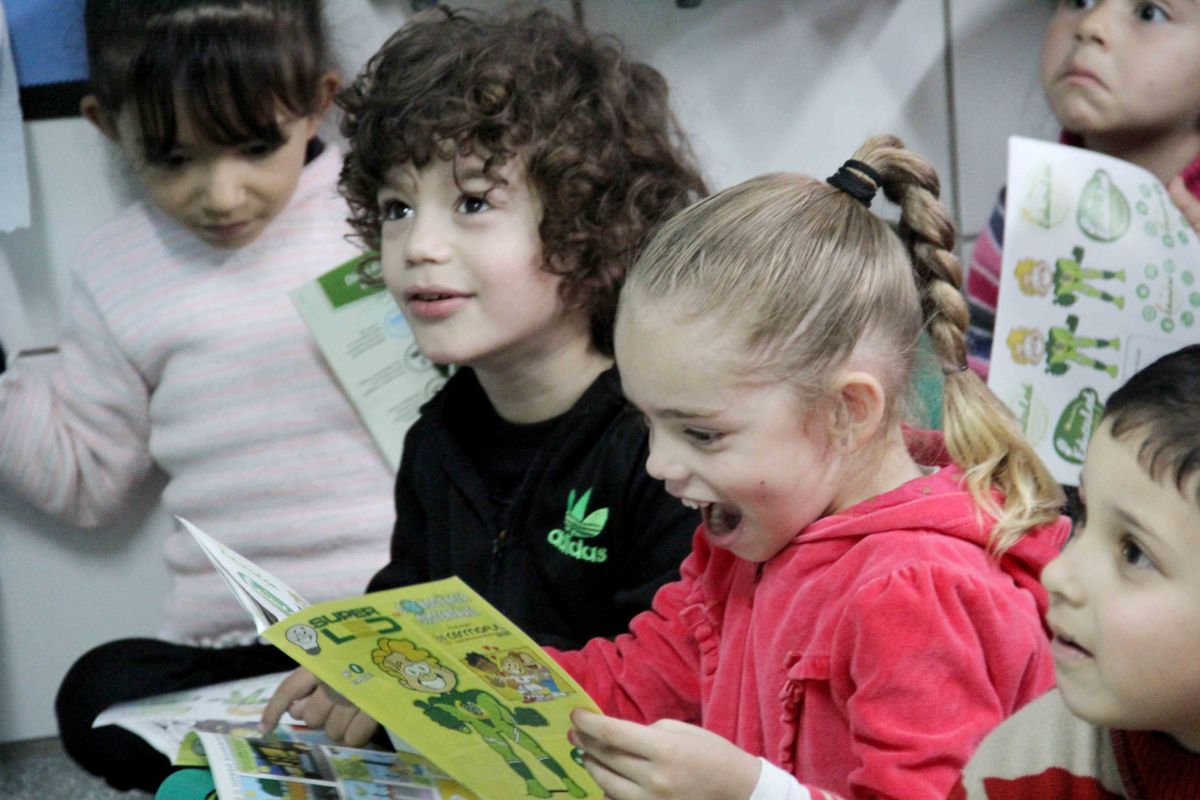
(982, 284)
(74, 436)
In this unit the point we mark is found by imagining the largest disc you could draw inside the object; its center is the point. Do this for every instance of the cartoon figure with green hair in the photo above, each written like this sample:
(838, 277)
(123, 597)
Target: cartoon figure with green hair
(471, 711)
(1069, 279)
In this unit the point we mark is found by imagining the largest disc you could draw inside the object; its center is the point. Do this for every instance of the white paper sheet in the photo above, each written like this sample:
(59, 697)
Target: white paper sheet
(1101, 276)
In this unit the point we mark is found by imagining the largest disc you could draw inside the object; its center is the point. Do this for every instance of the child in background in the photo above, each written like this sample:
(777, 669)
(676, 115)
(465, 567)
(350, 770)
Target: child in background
(1125, 613)
(182, 351)
(1123, 79)
(861, 606)
(508, 168)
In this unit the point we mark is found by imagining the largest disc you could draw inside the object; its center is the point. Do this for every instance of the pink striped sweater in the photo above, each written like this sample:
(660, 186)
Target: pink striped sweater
(192, 358)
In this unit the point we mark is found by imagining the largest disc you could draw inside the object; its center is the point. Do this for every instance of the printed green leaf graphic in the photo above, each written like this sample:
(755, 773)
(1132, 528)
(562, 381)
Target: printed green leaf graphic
(1076, 425)
(1103, 210)
(1046, 202)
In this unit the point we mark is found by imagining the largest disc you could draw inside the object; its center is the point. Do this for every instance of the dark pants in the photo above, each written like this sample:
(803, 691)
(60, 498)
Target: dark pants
(130, 669)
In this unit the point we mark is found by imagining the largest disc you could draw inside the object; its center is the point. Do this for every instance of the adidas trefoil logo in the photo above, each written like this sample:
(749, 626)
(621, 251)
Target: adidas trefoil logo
(579, 525)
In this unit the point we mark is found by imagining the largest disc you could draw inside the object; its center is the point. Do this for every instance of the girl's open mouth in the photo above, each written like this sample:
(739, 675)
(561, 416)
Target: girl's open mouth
(721, 520)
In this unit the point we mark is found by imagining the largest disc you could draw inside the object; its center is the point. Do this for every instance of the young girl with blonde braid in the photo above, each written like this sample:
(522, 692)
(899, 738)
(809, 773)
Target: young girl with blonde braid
(861, 604)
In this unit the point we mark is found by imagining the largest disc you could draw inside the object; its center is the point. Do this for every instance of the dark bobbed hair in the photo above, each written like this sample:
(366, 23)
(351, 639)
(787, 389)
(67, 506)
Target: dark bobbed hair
(1162, 404)
(233, 64)
(592, 129)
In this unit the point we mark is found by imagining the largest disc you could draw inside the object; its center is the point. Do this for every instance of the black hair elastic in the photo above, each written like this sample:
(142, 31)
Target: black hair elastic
(849, 178)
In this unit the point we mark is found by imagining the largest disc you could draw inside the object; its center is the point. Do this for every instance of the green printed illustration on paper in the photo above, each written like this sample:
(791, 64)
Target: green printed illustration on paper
(1046, 201)
(1061, 348)
(1030, 413)
(1160, 218)
(1068, 279)
(474, 712)
(1171, 297)
(1103, 212)
(1076, 424)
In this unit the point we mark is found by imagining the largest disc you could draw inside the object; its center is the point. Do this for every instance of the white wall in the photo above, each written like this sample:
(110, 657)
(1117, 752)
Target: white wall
(760, 84)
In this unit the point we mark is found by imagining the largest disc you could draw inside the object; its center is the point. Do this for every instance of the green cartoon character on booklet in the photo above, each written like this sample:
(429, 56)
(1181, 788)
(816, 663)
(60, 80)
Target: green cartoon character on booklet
(471, 711)
(1069, 279)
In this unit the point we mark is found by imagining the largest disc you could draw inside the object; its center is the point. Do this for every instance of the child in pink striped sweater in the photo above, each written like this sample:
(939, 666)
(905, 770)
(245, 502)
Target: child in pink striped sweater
(182, 352)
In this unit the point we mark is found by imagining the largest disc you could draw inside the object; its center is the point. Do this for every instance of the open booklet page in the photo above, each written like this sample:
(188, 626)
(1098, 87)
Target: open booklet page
(441, 668)
(255, 767)
(370, 348)
(165, 720)
(264, 597)
(1100, 277)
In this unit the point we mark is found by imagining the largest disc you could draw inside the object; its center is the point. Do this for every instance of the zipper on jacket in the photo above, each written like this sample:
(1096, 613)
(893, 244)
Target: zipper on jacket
(497, 546)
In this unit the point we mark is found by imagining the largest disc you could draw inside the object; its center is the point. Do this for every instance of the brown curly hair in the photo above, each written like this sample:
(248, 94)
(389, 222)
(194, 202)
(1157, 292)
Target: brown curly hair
(593, 130)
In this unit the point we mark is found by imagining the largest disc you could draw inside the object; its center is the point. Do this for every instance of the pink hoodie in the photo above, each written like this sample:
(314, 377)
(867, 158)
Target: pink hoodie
(868, 658)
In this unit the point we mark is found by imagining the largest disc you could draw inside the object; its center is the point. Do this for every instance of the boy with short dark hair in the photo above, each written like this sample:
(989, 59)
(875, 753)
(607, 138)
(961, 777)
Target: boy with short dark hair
(1124, 721)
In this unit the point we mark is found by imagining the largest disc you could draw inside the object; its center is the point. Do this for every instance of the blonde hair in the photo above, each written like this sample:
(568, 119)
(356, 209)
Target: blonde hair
(407, 650)
(1025, 272)
(805, 273)
(1016, 344)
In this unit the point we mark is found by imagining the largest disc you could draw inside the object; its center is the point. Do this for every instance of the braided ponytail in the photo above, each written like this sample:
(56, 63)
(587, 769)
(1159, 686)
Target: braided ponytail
(808, 276)
(980, 433)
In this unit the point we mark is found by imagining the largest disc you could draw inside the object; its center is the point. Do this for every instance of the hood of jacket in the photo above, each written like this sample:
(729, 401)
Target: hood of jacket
(940, 504)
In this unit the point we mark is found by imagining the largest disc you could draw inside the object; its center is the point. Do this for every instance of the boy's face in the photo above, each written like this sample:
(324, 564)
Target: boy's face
(1121, 68)
(462, 256)
(1125, 598)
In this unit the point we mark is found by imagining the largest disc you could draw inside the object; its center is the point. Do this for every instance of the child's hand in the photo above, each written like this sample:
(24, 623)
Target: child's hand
(1187, 202)
(668, 759)
(306, 698)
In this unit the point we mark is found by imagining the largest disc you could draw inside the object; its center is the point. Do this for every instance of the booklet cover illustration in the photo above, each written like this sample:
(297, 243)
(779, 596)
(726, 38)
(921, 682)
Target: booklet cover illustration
(441, 669)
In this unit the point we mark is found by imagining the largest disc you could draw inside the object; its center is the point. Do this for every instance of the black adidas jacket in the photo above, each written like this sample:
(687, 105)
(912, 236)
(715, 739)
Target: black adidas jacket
(563, 571)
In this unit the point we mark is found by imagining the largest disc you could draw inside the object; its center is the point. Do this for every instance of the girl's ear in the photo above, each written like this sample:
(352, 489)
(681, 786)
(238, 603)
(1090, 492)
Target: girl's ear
(327, 87)
(93, 112)
(330, 82)
(859, 405)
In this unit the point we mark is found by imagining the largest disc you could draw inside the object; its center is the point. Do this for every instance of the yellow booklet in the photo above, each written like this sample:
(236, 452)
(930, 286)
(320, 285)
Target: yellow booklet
(442, 669)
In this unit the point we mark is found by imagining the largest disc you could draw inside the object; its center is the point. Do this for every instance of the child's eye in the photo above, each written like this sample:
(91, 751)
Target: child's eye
(702, 437)
(391, 210)
(1151, 12)
(1077, 4)
(1133, 554)
(170, 161)
(259, 149)
(473, 204)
